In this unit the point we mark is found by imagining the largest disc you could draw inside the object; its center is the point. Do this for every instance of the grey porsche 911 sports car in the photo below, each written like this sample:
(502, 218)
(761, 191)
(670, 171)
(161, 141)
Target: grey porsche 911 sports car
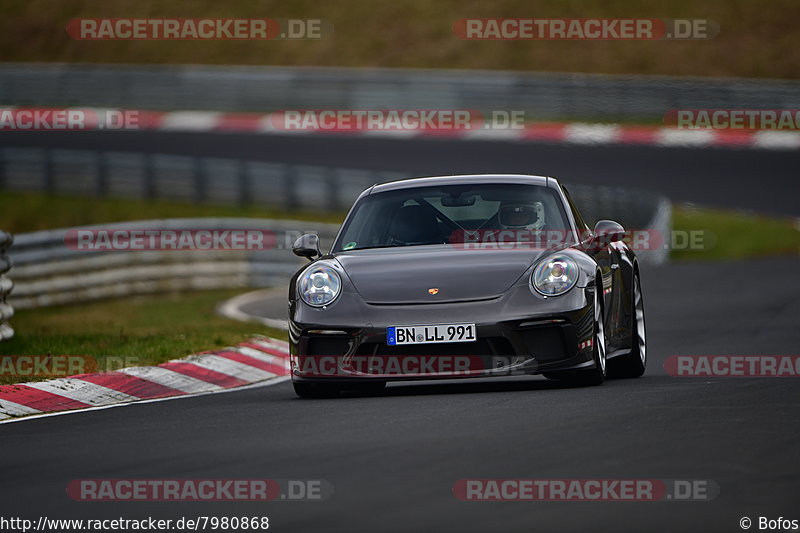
(465, 276)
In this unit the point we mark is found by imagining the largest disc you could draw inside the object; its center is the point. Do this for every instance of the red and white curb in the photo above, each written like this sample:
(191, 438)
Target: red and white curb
(555, 132)
(257, 360)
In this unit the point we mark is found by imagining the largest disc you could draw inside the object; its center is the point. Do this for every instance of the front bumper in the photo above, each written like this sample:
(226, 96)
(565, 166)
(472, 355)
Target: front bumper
(517, 333)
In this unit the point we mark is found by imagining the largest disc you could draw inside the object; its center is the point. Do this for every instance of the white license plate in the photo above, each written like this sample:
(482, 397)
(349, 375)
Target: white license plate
(430, 334)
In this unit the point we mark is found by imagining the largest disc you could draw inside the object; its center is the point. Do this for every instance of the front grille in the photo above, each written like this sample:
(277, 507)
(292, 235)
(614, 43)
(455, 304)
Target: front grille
(545, 343)
(327, 345)
(487, 353)
(483, 347)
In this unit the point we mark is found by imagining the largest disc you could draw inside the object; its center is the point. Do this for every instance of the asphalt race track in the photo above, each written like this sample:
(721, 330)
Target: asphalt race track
(759, 180)
(393, 459)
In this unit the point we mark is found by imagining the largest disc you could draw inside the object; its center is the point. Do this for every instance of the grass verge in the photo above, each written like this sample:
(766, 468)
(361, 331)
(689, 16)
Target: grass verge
(756, 39)
(21, 212)
(722, 234)
(142, 330)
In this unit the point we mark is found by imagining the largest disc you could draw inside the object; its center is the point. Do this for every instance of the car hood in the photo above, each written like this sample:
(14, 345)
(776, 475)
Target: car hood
(405, 275)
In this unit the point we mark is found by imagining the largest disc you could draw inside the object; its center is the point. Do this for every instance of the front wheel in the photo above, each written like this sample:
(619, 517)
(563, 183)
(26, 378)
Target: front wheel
(632, 364)
(597, 374)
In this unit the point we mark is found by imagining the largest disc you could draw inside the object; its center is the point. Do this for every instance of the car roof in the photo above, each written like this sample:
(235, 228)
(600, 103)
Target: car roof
(465, 179)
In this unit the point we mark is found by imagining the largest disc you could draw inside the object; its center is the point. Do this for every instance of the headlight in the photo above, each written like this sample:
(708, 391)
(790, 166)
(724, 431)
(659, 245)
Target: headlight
(319, 285)
(554, 275)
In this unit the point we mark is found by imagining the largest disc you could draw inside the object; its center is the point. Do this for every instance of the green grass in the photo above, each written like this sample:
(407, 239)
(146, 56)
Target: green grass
(756, 39)
(731, 235)
(21, 212)
(143, 330)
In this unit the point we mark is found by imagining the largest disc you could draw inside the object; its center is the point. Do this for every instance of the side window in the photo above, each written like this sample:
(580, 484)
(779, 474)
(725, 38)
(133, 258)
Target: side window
(579, 222)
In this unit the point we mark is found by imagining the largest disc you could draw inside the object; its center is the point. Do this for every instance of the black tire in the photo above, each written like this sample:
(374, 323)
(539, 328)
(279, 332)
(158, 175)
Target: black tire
(308, 389)
(597, 374)
(633, 364)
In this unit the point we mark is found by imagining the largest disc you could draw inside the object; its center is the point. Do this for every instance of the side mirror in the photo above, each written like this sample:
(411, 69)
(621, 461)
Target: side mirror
(307, 246)
(606, 232)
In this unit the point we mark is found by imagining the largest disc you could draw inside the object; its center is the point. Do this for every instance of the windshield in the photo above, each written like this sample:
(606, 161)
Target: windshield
(454, 214)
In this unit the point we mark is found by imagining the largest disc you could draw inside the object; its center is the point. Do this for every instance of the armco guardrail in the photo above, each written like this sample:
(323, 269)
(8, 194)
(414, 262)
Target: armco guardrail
(48, 272)
(6, 311)
(185, 178)
(543, 96)
(648, 214)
